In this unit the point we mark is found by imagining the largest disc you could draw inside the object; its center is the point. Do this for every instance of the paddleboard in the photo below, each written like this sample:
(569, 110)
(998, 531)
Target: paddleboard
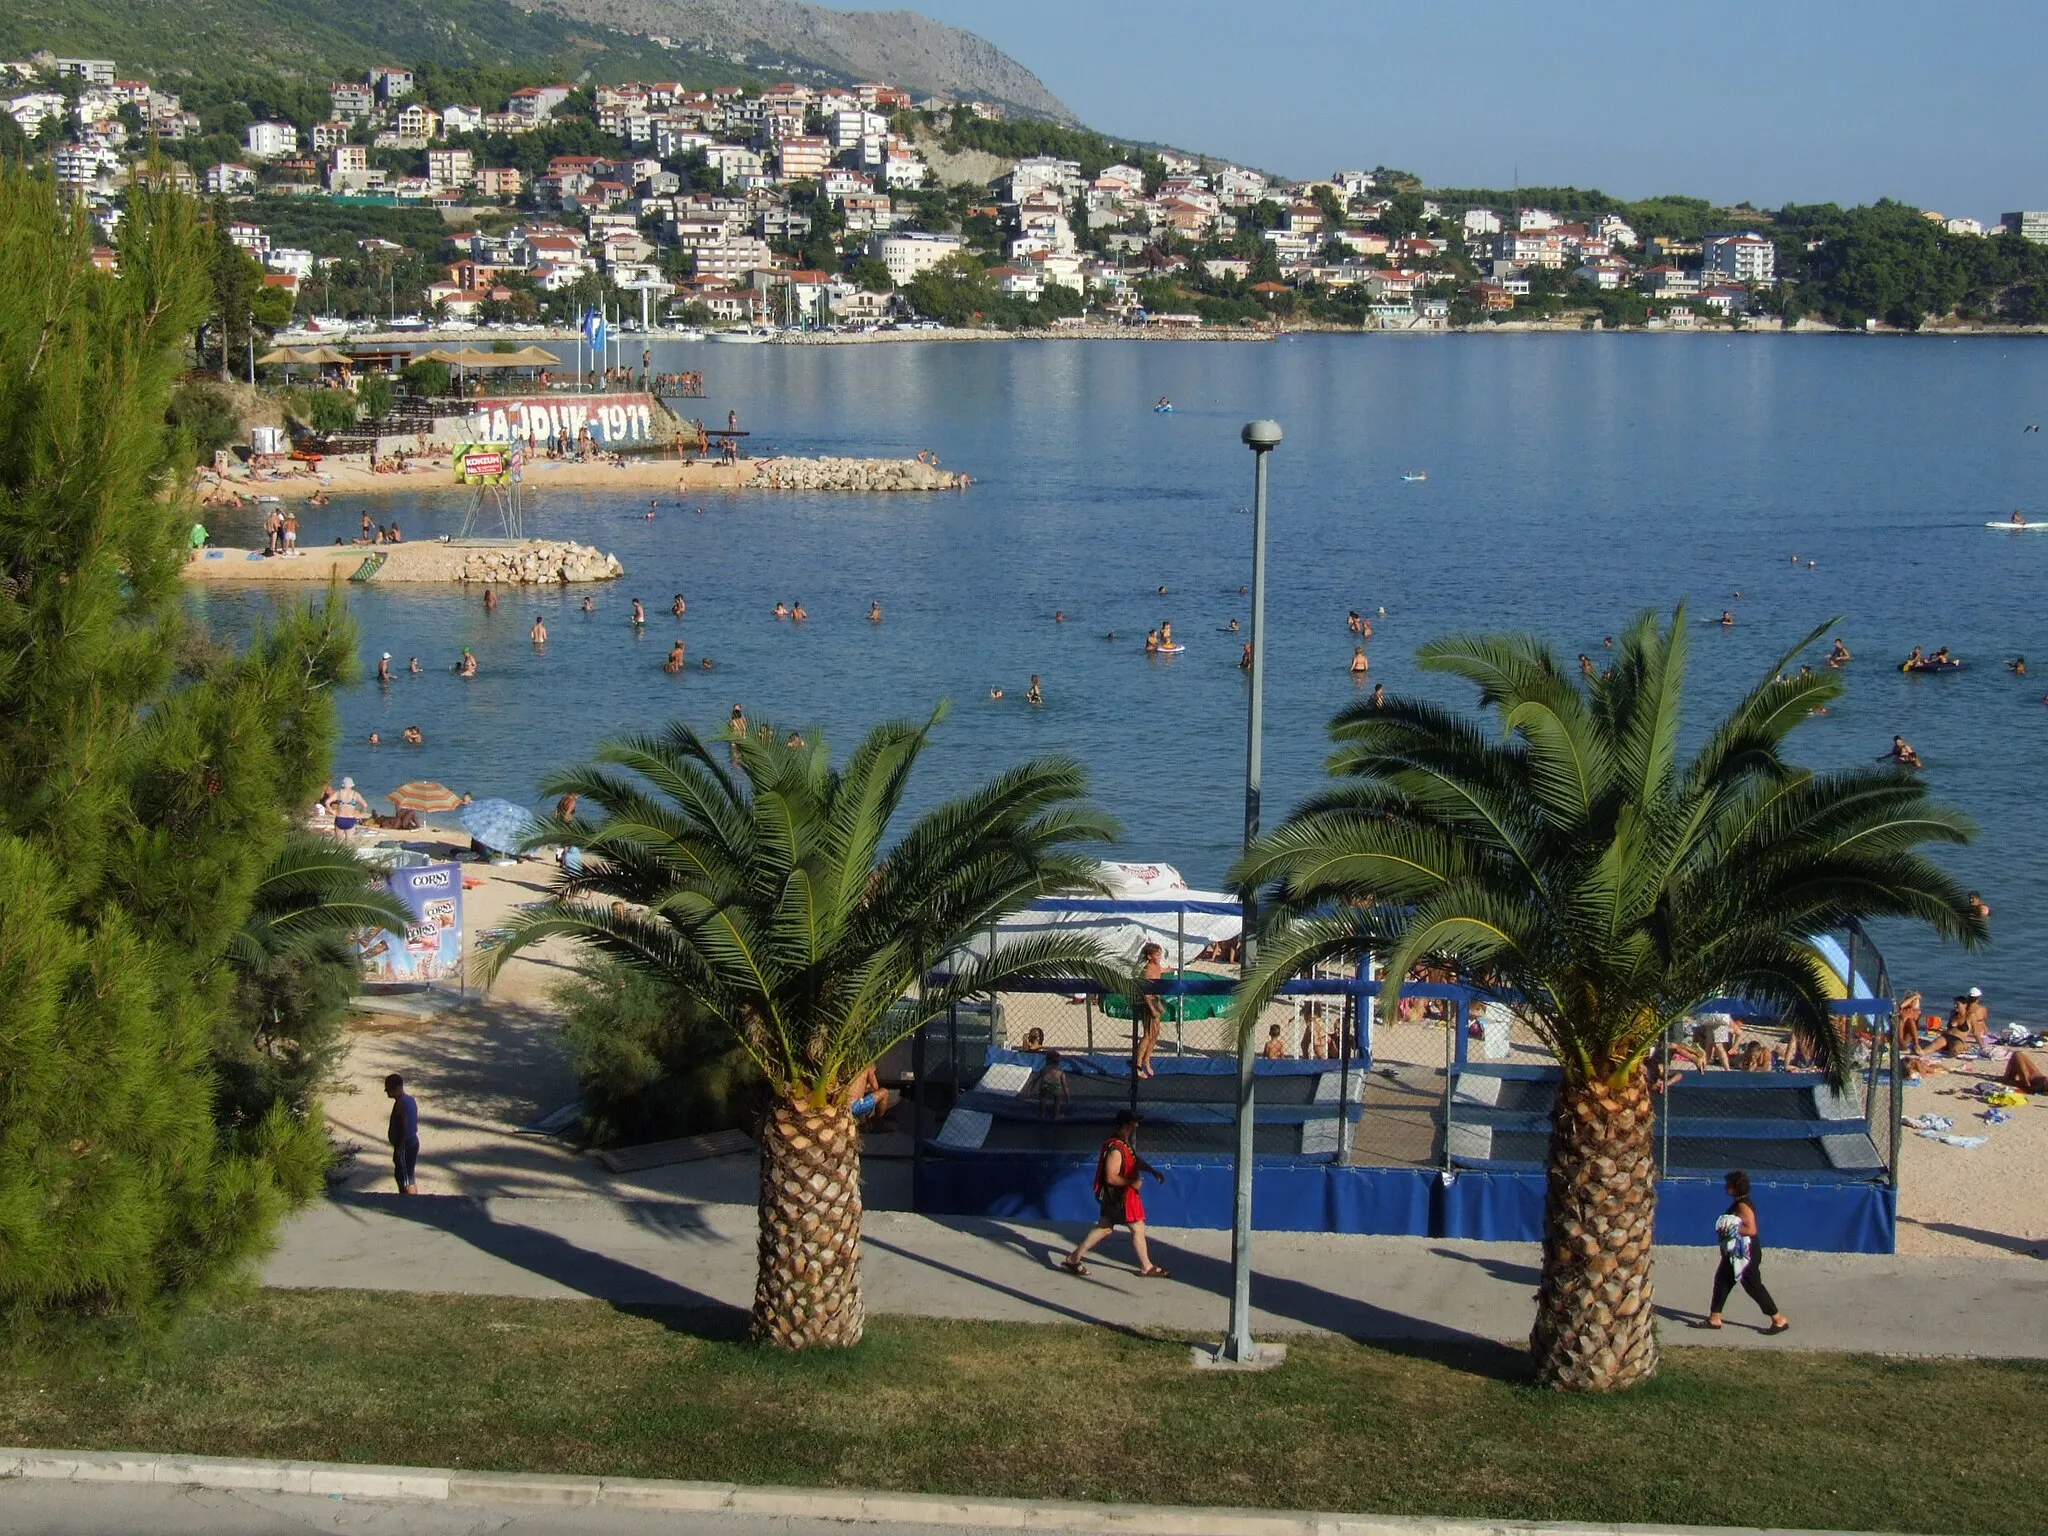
(2016, 527)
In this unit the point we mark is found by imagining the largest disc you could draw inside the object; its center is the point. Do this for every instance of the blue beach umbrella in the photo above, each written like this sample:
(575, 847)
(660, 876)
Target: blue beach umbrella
(497, 824)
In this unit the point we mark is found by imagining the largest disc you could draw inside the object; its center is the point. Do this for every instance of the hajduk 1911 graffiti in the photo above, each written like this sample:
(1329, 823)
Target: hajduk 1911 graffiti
(612, 421)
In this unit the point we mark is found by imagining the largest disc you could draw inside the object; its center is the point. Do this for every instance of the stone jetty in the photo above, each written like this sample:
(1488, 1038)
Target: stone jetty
(497, 562)
(851, 475)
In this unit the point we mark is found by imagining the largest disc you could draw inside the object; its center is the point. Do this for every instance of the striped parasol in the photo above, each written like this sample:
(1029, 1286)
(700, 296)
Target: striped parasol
(425, 796)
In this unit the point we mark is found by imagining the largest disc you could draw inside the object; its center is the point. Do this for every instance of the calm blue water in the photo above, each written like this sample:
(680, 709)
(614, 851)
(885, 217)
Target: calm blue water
(1572, 481)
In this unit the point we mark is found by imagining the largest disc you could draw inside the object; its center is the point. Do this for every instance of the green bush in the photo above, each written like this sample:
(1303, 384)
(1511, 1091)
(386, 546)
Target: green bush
(651, 1063)
(204, 415)
(375, 395)
(332, 410)
(427, 376)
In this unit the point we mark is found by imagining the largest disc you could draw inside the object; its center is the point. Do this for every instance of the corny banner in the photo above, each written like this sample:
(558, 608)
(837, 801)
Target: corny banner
(430, 949)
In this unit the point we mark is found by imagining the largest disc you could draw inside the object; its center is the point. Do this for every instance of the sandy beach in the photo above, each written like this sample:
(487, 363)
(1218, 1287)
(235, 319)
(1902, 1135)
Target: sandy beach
(487, 1064)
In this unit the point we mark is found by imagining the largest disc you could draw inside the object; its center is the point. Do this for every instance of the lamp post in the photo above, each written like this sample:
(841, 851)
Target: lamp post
(1239, 1348)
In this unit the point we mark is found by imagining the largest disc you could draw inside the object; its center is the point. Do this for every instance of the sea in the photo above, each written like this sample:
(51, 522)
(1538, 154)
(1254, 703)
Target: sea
(1572, 483)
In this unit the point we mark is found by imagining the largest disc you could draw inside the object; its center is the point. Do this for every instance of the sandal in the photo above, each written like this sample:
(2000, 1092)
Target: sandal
(1777, 1328)
(1073, 1266)
(1156, 1272)
(1701, 1322)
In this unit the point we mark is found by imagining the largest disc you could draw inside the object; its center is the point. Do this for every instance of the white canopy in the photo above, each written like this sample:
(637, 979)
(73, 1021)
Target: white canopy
(1123, 929)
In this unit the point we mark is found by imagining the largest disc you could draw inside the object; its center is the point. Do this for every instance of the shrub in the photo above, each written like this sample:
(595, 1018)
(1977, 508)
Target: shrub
(333, 410)
(651, 1063)
(204, 415)
(427, 376)
(375, 396)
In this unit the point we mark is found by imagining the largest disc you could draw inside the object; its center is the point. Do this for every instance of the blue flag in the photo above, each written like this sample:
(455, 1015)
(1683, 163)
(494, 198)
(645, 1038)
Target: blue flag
(594, 329)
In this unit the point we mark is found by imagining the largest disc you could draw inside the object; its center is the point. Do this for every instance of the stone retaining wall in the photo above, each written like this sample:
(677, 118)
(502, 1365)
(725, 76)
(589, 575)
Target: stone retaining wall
(537, 562)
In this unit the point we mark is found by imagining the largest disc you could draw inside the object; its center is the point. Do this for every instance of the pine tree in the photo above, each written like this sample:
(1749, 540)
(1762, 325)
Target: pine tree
(138, 810)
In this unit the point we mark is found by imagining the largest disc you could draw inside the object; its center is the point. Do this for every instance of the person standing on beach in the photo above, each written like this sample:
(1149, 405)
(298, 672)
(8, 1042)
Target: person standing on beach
(1742, 1257)
(1118, 1169)
(404, 1135)
(1148, 1009)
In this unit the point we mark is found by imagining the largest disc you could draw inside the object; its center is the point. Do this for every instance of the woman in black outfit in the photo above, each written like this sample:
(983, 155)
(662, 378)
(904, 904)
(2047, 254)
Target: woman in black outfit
(1752, 1272)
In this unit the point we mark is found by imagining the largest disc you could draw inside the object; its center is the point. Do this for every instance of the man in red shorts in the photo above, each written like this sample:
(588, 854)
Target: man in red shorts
(1118, 1168)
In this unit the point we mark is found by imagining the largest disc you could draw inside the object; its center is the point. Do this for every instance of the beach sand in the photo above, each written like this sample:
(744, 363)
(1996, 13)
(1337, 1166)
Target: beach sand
(492, 1063)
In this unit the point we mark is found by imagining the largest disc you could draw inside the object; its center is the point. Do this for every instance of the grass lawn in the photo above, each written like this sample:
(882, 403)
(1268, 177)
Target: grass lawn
(1764, 1437)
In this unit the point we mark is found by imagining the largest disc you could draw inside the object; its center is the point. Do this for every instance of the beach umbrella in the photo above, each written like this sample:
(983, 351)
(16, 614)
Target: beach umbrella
(497, 824)
(424, 796)
(534, 357)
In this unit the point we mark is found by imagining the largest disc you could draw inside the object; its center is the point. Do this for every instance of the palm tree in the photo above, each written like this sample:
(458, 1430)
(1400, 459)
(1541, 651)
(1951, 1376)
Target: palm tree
(764, 892)
(1580, 865)
(295, 964)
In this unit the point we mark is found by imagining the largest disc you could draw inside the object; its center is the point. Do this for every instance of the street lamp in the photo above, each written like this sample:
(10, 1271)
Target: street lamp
(1240, 1350)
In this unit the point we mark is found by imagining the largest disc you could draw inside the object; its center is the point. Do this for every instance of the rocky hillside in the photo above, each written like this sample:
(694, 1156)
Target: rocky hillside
(901, 47)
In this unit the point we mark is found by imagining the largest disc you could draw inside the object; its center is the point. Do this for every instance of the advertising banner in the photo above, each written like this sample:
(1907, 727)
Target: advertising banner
(479, 464)
(430, 949)
(612, 421)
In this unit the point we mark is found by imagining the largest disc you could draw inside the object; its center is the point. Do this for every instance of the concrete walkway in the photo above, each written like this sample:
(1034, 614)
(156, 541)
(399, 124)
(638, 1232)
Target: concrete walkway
(695, 1253)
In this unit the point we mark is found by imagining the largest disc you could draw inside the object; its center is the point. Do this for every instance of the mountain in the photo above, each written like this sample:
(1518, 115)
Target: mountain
(724, 41)
(900, 47)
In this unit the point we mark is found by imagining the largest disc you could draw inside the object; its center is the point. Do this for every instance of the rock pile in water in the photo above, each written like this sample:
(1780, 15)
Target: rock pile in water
(852, 475)
(538, 562)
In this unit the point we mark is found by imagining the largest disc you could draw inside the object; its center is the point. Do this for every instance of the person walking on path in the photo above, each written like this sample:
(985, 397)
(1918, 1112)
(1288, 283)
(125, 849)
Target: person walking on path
(1118, 1168)
(404, 1135)
(1742, 1258)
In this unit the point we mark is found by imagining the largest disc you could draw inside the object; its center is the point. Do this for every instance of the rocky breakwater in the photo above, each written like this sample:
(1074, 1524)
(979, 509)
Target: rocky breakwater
(852, 475)
(537, 562)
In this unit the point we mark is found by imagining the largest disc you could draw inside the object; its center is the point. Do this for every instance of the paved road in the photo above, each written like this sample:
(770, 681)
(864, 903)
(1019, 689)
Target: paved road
(702, 1254)
(35, 1508)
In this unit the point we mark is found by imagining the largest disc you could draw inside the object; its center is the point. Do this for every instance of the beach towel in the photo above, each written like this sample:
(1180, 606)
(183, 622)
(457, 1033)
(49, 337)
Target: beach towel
(1735, 1248)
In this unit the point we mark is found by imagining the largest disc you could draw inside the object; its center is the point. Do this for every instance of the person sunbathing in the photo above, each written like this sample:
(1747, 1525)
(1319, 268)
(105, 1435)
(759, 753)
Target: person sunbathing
(2025, 1074)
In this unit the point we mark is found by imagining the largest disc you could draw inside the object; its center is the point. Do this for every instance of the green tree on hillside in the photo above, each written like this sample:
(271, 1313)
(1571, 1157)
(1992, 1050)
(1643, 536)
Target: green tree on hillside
(138, 810)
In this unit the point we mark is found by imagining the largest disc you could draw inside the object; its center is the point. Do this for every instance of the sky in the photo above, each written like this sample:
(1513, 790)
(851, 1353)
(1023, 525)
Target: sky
(1943, 106)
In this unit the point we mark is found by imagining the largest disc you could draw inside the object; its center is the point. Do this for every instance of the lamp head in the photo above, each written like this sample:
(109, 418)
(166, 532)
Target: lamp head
(1261, 436)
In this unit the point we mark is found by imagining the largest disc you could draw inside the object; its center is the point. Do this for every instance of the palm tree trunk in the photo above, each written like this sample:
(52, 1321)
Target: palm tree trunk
(807, 1284)
(1594, 1322)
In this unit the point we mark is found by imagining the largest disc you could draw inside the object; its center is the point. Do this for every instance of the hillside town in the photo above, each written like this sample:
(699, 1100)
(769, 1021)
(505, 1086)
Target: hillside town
(807, 208)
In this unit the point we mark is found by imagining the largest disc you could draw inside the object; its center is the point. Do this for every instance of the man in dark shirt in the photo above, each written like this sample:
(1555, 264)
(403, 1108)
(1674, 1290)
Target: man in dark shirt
(404, 1134)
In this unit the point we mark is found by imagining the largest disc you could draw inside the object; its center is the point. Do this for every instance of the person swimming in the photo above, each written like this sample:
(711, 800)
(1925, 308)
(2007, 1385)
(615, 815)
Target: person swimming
(1059, 615)
(1151, 639)
(1034, 694)
(1727, 619)
(874, 613)
(704, 665)
(1166, 635)
(639, 612)
(1230, 628)
(413, 666)
(1585, 664)
(1841, 654)
(796, 611)
(2017, 666)
(1244, 660)
(1162, 591)
(1902, 753)
(467, 666)
(539, 633)
(781, 609)
(413, 736)
(1379, 696)
(1352, 621)
(678, 607)
(1358, 661)
(995, 693)
(676, 657)
(589, 604)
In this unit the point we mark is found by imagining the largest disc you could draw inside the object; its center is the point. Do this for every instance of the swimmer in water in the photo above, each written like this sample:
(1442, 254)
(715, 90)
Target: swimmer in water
(675, 657)
(781, 609)
(590, 605)
(1162, 591)
(1379, 696)
(1231, 627)
(737, 723)
(490, 601)
(794, 740)
(1608, 643)
(650, 510)
(995, 693)
(1151, 640)
(796, 611)
(639, 613)
(1585, 664)
(1913, 659)
(1352, 621)
(1359, 662)
(704, 665)
(1727, 619)
(1244, 660)
(413, 736)
(1841, 655)
(874, 613)
(1380, 615)
(1034, 694)
(539, 633)
(413, 666)
(2017, 666)
(1166, 635)
(467, 666)
(678, 607)
(1902, 753)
